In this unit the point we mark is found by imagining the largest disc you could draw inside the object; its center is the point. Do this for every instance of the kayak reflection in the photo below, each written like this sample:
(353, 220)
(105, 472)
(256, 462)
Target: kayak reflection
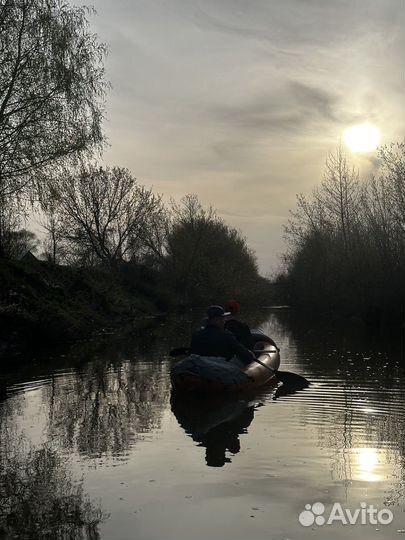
(214, 425)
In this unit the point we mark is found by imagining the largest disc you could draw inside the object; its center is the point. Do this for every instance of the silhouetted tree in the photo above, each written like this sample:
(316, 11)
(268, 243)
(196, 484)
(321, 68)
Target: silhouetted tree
(339, 196)
(347, 240)
(333, 207)
(54, 250)
(10, 220)
(206, 260)
(51, 90)
(105, 212)
(393, 178)
(17, 243)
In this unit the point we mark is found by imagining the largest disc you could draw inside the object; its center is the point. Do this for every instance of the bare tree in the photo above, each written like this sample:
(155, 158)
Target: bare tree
(340, 194)
(18, 242)
(309, 217)
(51, 89)
(53, 242)
(106, 211)
(347, 240)
(333, 207)
(378, 214)
(393, 170)
(10, 220)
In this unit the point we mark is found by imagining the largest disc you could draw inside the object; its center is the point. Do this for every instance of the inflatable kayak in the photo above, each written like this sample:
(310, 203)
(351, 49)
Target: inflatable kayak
(210, 374)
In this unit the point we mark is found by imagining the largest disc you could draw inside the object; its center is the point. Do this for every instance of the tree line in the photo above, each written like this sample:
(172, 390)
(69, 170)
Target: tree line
(347, 241)
(52, 102)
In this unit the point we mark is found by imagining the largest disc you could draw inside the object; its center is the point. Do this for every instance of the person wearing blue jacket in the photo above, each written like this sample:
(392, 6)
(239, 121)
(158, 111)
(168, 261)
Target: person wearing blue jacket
(214, 340)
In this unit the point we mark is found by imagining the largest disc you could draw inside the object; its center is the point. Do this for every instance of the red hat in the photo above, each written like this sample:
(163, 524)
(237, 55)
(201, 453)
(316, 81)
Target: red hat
(233, 306)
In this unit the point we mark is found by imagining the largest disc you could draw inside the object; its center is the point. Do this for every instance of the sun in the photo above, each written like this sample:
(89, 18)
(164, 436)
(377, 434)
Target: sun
(362, 137)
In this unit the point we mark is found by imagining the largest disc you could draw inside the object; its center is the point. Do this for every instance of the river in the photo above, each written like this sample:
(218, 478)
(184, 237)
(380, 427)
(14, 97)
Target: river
(92, 446)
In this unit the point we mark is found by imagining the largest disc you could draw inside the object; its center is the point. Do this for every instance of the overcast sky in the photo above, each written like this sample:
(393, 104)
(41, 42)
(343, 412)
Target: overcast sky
(240, 101)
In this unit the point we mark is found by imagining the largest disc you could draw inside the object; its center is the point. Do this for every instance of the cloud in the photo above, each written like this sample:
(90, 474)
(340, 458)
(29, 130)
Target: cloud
(293, 107)
(288, 23)
(241, 101)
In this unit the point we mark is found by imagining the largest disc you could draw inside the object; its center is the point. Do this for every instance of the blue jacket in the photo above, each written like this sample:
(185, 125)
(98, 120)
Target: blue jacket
(241, 331)
(212, 341)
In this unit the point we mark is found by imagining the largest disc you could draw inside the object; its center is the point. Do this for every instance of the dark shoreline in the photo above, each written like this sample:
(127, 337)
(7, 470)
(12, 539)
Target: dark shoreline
(44, 303)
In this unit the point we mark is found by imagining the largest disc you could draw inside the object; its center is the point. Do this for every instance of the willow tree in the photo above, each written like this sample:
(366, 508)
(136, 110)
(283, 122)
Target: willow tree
(52, 90)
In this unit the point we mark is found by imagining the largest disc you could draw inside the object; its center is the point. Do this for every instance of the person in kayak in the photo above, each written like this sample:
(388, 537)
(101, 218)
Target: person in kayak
(214, 340)
(238, 328)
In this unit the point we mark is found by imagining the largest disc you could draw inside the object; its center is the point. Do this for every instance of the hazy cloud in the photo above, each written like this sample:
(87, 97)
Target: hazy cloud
(293, 107)
(241, 101)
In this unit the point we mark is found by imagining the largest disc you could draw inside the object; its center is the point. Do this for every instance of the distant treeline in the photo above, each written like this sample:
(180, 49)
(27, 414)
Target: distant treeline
(173, 256)
(52, 93)
(347, 242)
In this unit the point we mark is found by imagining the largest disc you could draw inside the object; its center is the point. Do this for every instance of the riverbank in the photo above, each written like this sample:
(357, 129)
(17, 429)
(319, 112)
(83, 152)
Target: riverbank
(40, 301)
(43, 302)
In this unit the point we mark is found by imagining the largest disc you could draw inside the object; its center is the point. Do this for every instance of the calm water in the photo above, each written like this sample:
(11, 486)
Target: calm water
(92, 446)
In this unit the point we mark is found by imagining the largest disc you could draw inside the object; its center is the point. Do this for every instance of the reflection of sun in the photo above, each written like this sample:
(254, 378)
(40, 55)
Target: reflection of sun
(366, 464)
(362, 137)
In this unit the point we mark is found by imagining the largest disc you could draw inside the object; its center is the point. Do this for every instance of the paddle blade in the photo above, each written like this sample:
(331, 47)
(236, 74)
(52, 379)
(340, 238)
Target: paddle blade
(292, 379)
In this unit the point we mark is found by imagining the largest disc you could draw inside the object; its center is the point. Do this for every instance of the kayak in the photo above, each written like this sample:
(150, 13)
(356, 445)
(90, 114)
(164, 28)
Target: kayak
(203, 374)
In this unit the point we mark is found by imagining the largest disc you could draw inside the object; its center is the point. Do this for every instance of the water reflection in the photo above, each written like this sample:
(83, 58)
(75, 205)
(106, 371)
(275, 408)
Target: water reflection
(106, 407)
(214, 424)
(366, 464)
(99, 405)
(355, 402)
(39, 500)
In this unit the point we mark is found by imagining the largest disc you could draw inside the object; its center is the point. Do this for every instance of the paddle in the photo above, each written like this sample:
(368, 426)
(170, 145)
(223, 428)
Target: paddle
(286, 377)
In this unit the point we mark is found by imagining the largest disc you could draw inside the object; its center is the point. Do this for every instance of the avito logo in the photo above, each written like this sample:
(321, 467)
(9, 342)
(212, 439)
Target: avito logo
(314, 514)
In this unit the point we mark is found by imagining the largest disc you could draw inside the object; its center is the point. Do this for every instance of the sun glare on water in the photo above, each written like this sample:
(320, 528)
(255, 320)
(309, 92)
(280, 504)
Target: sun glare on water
(362, 137)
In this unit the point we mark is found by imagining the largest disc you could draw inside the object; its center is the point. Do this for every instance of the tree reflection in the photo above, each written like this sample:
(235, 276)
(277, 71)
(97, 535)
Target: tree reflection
(104, 408)
(356, 402)
(39, 500)
(367, 446)
(214, 425)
